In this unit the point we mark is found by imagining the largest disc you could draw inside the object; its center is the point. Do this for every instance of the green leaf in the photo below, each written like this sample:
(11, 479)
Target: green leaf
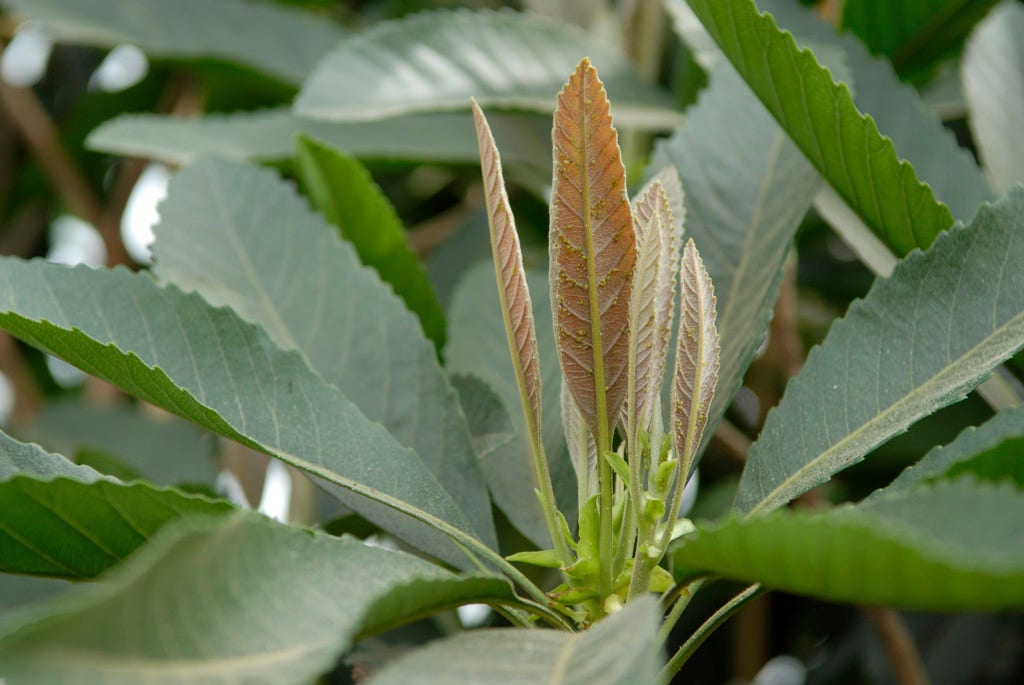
(220, 234)
(920, 340)
(477, 346)
(992, 72)
(282, 42)
(344, 192)
(914, 34)
(745, 238)
(620, 650)
(438, 60)
(269, 135)
(952, 546)
(164, 452)
(62, 519)
(306, 596)
(821, 118)
(917, 133)
(211, 367)
(992, 451)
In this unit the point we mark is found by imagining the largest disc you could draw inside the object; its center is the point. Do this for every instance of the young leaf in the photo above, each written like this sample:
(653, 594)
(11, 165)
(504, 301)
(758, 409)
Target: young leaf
(438, 60)
(343, 190)
(651, 300)
(67, 520)
(697, 359)
(949, 546)
(593, 251)
(821, 118)
(892, 360)
(582, 448)
(307, 596)
(620, 650)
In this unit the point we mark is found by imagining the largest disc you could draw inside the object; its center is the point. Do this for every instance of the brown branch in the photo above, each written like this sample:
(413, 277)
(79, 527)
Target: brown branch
(899, 646)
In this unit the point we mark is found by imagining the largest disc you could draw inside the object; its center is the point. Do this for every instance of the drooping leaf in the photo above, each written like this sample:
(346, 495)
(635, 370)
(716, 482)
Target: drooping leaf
(917, 133)
(992, 72)
(63, 519)
(821, 118)
(211, 367)
(165, 451)
(652, 299)
(950, 546)
(920, 339)
(992, 451)
(593, 251)
(307, 595)
(697, 359)
(445, 137)
(477, 345)
(914, 34)
(344, 192)
(221, 234)
(619, 650)
(513, 291)
(748, 189)
(283, 42)
(438, 60)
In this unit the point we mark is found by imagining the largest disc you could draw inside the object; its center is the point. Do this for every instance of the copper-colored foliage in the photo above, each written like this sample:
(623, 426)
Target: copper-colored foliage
(508, 264)
(593, 251)
(697, 356)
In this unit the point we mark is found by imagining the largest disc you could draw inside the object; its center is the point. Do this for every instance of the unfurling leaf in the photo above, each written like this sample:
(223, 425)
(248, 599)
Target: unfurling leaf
(593, 251)
(697, 350)
(582, 448)
(512, 289)
(653, 294)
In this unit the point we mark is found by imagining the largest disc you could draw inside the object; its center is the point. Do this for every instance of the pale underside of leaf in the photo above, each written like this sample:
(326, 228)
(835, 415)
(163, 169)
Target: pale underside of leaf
(592, 263)
(517, 310)
(651, 302)
(582, 448)
(697, 357)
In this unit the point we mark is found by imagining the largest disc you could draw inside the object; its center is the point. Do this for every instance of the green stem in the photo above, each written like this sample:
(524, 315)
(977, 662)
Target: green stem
(709, 626)
(680, 604)
(547, 498)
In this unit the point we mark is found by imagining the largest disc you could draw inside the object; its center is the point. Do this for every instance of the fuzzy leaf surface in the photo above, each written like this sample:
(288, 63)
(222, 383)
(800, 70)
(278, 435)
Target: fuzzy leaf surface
(948, 547)
(62, 519)
(438, 60)
(748, 188)
(280, 41)
(344, 191)
(593, 249)
(920, 340)
(242, 238)
(307, 596)
(619, 650)
(992, 72)
(207, 365)
(822, 119)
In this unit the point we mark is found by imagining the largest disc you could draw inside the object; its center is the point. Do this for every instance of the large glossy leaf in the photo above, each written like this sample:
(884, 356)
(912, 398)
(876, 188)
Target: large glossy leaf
(164, 451)
(241, 237)
(913, 33)
(822, 119)
(270, 135)
(211, 367)
(477, 346)
(992, 451)
(244, 600)
(747, 189)
(344, 192)
(593, 252)
(285, 43)
(992, 72)
(917, 133)
(951, 546)
(620, 650)
(920, 339)
(62, 519)
(438, 60)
